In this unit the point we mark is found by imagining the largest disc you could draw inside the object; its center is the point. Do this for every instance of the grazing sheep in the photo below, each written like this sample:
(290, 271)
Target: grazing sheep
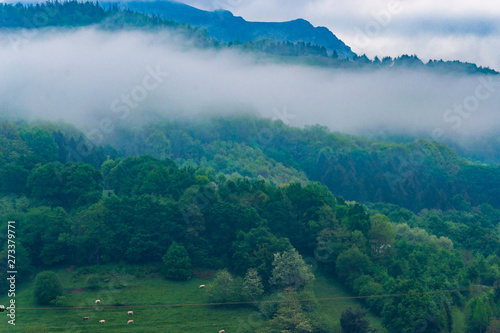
(222, 331)
(130, 322)
(86, 318)
(97, 301)
(102, 321)
(130, 312)
(202, 286)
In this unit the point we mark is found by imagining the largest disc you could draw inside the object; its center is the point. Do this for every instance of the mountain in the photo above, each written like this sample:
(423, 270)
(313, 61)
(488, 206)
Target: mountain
(224, 26)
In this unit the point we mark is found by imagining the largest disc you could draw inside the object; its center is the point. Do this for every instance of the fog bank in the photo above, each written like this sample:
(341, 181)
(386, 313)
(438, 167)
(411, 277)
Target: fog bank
(84, 76)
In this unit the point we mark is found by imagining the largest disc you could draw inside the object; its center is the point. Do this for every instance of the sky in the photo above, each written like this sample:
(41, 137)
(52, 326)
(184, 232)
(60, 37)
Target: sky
(446, 29)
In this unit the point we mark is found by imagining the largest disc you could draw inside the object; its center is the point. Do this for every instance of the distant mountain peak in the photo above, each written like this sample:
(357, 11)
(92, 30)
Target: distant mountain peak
(222, 25)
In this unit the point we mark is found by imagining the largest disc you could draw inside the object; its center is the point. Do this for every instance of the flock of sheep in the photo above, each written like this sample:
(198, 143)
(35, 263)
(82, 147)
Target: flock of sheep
(130, 313)
(102, 321)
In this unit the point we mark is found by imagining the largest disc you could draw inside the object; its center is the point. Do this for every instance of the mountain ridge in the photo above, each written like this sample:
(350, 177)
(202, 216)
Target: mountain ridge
(224, 26)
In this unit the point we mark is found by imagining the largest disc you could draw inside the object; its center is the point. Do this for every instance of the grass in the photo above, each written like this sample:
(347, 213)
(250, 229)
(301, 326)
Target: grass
(153, 300)
(326, 287)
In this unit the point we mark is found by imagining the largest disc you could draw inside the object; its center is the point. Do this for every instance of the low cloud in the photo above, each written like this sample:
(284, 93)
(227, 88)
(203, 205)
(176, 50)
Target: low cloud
(87, 76)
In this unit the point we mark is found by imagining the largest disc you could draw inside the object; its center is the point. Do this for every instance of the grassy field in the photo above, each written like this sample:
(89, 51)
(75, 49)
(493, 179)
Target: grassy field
(159, 305)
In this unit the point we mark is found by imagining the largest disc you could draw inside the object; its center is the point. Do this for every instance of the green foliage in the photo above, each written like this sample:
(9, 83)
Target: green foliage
(13, 178)
(256, 249)
(289, 316)
(59, 301)
(47, 288)
(147, 175)
(253, 227)
(381, 236)
(69, 186)
(252, 286)
(290, 271)
(42, 144)
(222, 288)
(158, 145)
(44, 232)
(177, 263)
(351, 264)
(137, 229)
(354, 321)
(479, 314)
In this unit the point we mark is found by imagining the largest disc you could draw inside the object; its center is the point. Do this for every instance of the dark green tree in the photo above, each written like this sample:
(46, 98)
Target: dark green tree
(352, 264)
(177, 263)
(47, 287)
(256, 249)
(355, 321)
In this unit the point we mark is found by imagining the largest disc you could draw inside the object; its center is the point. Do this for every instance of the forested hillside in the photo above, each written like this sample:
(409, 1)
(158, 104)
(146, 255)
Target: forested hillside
(244, 204)
(221, 216)
(417, 175)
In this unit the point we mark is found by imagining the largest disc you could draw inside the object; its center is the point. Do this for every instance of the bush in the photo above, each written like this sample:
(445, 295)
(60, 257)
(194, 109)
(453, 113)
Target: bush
(177, 263)
(59, 301)
(47, 287)
(223, 288)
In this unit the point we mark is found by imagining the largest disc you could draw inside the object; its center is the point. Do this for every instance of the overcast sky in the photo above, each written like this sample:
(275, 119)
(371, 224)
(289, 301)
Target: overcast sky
(449, 29)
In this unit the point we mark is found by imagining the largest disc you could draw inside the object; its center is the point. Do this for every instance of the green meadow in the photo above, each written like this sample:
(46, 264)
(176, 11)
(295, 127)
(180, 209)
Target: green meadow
(159, 305)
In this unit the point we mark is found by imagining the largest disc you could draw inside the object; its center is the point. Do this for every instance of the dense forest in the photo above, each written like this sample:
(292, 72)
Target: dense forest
(73, 14)
(409, 227)
(252, 197)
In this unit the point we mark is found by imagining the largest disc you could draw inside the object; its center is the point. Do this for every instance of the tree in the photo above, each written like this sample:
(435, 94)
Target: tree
(13, 178)
(252, 285)
(158, 145)
(381, 235)
(47, 287)
(177, 263)
(290, 317)
(354, 321)
(479, 314)
(45, 235)
(352, 264)
(222, 288)
(494, 326)
(70, 185)
(256, 249)
(290, 270)
(42, 145)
